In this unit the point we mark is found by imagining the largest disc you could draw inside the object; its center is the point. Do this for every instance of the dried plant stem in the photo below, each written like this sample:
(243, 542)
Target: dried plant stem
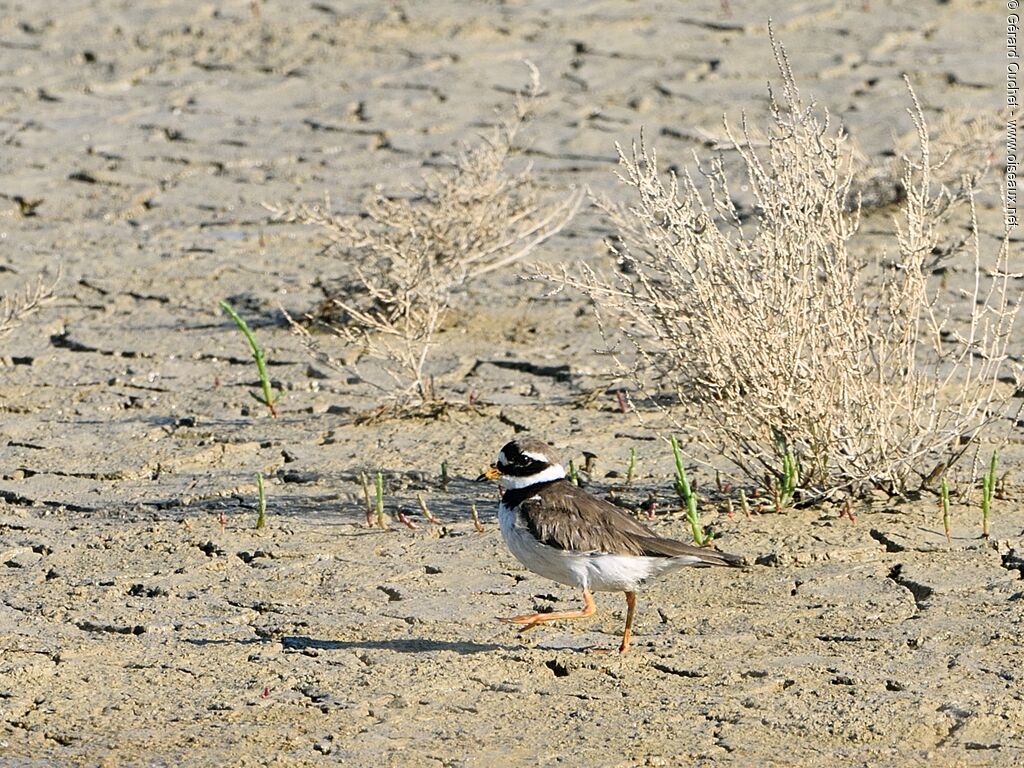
(426, 511)
(744, 505)
(847, 511)
(15, 308)
(404, 520)
(476, 519)
(381, 521)
(367, 498)
(944, 503)
(261, 502)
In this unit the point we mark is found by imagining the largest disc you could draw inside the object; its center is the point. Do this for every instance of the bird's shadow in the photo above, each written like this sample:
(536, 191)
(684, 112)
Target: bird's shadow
(403, 645)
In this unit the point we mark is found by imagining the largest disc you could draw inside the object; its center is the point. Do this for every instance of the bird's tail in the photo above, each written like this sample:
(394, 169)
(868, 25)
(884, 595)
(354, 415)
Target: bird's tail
(734, 561)
(655, 546)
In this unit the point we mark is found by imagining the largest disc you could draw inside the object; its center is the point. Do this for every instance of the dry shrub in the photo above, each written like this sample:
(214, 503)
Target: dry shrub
(785, 341)
(967, 143)
(15, 308)
(405, 257)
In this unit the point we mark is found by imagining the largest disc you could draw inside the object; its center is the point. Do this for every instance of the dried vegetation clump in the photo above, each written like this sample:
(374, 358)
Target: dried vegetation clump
(16, 307)
(404, 258)
(967, 143)
(785, 340)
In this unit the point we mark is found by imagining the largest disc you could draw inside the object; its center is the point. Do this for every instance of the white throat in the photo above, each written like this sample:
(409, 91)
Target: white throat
(554, 472)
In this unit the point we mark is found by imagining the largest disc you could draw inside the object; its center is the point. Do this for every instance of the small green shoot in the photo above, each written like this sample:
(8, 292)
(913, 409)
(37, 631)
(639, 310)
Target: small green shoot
(268, 398)
(631, 469)
(381, 522)
(790, 479)
(687, 495)
(573, 477)
(945, 511)
(261, 501)
(988, 489)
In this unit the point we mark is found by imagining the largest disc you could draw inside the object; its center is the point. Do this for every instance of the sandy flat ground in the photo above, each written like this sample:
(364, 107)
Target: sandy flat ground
(143, 619)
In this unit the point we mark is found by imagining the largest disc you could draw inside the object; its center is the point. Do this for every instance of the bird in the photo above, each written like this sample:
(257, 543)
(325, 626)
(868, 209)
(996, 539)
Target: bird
(563, 533)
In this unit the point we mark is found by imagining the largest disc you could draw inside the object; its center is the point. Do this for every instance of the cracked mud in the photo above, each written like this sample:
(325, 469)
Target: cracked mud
(143, 620)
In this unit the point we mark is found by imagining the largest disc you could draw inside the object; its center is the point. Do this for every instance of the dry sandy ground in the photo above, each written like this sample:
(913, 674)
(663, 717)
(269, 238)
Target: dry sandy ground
(136, 630)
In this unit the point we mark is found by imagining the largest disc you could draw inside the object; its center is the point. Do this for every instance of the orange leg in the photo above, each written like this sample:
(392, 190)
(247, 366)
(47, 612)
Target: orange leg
(530, 620)
(628, 631)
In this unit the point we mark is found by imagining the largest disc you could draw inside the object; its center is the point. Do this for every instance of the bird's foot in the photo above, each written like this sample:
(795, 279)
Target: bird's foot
(527, 620)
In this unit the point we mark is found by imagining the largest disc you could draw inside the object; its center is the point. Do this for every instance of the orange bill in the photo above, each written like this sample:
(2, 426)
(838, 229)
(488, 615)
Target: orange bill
(491, 474)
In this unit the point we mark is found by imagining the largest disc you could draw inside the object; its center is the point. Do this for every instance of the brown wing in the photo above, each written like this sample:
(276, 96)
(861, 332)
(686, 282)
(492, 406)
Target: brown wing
(562, 515)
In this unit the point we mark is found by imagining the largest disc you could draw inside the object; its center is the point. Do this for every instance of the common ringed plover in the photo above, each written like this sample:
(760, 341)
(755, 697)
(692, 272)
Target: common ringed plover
(563, 533)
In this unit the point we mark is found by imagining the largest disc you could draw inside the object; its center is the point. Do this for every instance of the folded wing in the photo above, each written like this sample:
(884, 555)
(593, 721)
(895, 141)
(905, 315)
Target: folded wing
(563, 516)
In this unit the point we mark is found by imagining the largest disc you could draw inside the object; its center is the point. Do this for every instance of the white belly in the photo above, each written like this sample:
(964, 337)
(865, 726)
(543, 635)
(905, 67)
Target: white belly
(596, 571)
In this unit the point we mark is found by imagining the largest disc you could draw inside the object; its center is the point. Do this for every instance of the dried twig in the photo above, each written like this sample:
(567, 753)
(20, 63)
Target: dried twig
(261, 502)
(944, 505)
(16, 307)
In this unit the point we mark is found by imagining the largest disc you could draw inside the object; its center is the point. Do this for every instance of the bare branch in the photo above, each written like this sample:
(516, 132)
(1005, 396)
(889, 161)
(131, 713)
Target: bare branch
(15, 308)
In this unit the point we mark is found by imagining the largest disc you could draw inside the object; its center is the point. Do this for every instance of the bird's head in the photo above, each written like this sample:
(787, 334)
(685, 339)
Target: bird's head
(524, 462)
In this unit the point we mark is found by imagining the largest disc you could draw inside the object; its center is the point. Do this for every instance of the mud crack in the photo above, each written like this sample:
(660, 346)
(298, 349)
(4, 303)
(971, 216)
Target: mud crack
(678, 671)
(920, 592)
(115, 629)
(885, 541)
